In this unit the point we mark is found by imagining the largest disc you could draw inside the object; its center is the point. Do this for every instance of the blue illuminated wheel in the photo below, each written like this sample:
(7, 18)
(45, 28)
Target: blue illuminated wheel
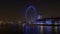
(30, 15)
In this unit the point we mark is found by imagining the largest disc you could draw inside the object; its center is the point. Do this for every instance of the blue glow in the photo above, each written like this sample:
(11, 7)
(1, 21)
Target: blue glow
(34, 30)
(30, 15)
(38, 27)
(48, 22)
(31, 30)
(49, 29)
(38, 22)
(39, 17)
(59, 22)
(28, 29)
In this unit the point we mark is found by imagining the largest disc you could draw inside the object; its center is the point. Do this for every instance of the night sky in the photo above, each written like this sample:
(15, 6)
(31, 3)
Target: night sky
(16, 9)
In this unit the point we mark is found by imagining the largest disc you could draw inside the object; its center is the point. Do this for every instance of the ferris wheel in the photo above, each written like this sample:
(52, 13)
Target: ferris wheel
(30, 14)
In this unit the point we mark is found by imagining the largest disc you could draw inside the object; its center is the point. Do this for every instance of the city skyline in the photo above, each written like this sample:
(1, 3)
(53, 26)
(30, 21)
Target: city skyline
(16, 9)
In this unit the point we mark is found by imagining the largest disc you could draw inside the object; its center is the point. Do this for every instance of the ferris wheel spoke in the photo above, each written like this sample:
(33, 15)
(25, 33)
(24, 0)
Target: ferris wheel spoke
(28, 13)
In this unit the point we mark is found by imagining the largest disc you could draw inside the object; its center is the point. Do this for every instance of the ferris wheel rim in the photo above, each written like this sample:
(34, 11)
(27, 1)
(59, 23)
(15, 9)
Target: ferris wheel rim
(27, 10)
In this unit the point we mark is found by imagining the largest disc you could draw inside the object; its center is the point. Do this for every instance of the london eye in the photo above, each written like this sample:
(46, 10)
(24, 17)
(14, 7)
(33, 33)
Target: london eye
(30, 15)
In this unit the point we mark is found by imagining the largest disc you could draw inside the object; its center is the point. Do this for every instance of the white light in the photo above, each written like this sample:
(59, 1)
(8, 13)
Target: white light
(48, 22)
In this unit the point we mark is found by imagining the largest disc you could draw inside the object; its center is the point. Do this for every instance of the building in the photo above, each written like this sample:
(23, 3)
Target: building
(47, 25)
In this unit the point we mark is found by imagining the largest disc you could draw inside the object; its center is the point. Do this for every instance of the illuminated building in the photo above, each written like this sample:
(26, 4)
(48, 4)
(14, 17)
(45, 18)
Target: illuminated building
(48, 25)
(42, 25)
(48, 29)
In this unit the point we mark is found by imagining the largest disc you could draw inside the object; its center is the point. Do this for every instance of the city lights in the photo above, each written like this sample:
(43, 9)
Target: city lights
(42, 24)
(29, 17)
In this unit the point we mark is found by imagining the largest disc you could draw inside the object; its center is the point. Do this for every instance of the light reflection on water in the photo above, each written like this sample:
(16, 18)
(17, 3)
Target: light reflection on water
(26, 29)
(48, 29)
(39, 29)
